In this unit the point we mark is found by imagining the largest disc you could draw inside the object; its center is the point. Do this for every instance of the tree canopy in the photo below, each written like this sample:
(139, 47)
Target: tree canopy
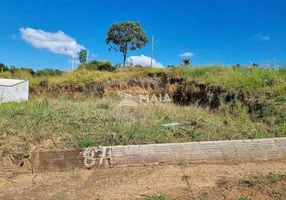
(83, 56)
(126, 36)
(186, 61)
(3, 68)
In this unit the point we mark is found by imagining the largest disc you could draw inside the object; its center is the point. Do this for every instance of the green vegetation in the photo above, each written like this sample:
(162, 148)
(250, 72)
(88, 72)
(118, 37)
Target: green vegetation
(97, 66)
(187, 61)
(268, 82)
(158, 197)
(88, 119)
(101, 122)
(48, 72)
(272, 178)
(126, 36)
(83, 56)
(250, 182)
(259, 81)
(85, 141)
(3, 68)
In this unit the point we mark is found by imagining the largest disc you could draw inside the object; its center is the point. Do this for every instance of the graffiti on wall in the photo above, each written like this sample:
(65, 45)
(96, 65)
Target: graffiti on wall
(93, 155)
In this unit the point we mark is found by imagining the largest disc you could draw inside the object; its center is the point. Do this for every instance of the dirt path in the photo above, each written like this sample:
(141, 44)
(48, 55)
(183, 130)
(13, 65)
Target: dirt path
(212, 181)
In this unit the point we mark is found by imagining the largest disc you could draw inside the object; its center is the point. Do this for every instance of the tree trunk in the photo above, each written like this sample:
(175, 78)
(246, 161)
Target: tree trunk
(124, 59)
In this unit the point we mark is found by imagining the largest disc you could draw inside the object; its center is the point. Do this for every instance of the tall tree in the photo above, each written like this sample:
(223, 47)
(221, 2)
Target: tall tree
(126, 36)
(186, 61)
(83, 56)
(3, 68)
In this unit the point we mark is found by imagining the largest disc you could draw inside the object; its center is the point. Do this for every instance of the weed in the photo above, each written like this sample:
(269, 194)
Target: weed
(185, 177)
(85, 141)
(272, 178)
(249, 182)
(84, 124)
(158, 197)
(254, 134)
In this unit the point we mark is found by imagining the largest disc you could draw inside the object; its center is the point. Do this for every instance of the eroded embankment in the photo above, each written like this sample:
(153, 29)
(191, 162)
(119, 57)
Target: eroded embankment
(181, 91)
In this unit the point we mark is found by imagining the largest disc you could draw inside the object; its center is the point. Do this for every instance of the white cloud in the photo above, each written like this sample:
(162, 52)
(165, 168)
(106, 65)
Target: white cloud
(144, 61)
(260, 36)
(58, 42)
(187, 54)
(94, 55)
(14, 36)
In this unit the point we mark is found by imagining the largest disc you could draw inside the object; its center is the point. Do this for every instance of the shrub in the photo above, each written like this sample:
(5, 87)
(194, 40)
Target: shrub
(23, 70)
(22, 73)
(48, 72)
(105, 66)
(98, 65)
(6, 74)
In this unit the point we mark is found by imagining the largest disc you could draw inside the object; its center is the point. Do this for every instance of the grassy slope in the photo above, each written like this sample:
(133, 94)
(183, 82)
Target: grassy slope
(70, 124)
(100, 121)
(251, 80)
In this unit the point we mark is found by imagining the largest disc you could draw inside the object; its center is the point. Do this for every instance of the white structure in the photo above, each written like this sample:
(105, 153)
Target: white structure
(14, 90)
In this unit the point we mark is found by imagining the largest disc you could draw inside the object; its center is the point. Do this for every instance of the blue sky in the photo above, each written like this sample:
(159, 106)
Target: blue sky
(221, 31)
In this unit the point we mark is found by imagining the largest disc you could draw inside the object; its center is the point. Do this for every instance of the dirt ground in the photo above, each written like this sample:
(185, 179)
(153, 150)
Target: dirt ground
(256, 181)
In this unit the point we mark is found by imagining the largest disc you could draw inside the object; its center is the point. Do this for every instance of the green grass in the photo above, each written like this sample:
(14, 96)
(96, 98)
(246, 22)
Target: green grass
(261, 81)
(85, 141)
(94, 121)
(251, 80)
(91, 122)
(80, 78)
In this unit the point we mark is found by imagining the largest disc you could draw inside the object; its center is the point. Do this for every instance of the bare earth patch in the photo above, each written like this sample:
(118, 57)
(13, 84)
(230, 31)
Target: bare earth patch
(254, 181)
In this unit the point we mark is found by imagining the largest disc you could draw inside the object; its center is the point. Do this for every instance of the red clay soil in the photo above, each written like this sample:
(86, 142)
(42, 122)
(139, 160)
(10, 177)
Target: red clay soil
(255, 181)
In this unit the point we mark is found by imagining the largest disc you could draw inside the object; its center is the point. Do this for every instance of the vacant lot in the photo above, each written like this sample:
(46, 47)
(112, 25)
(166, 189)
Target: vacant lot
(68, 110)
(61, 124)
(80, 109)
(264, 181)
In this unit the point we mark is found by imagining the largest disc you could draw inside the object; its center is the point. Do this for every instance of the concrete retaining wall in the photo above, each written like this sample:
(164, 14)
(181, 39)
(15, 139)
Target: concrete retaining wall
(236, 151)
(14, 90)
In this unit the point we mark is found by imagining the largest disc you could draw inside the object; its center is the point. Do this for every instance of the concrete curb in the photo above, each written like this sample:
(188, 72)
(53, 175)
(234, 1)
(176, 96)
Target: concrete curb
(234, 151)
